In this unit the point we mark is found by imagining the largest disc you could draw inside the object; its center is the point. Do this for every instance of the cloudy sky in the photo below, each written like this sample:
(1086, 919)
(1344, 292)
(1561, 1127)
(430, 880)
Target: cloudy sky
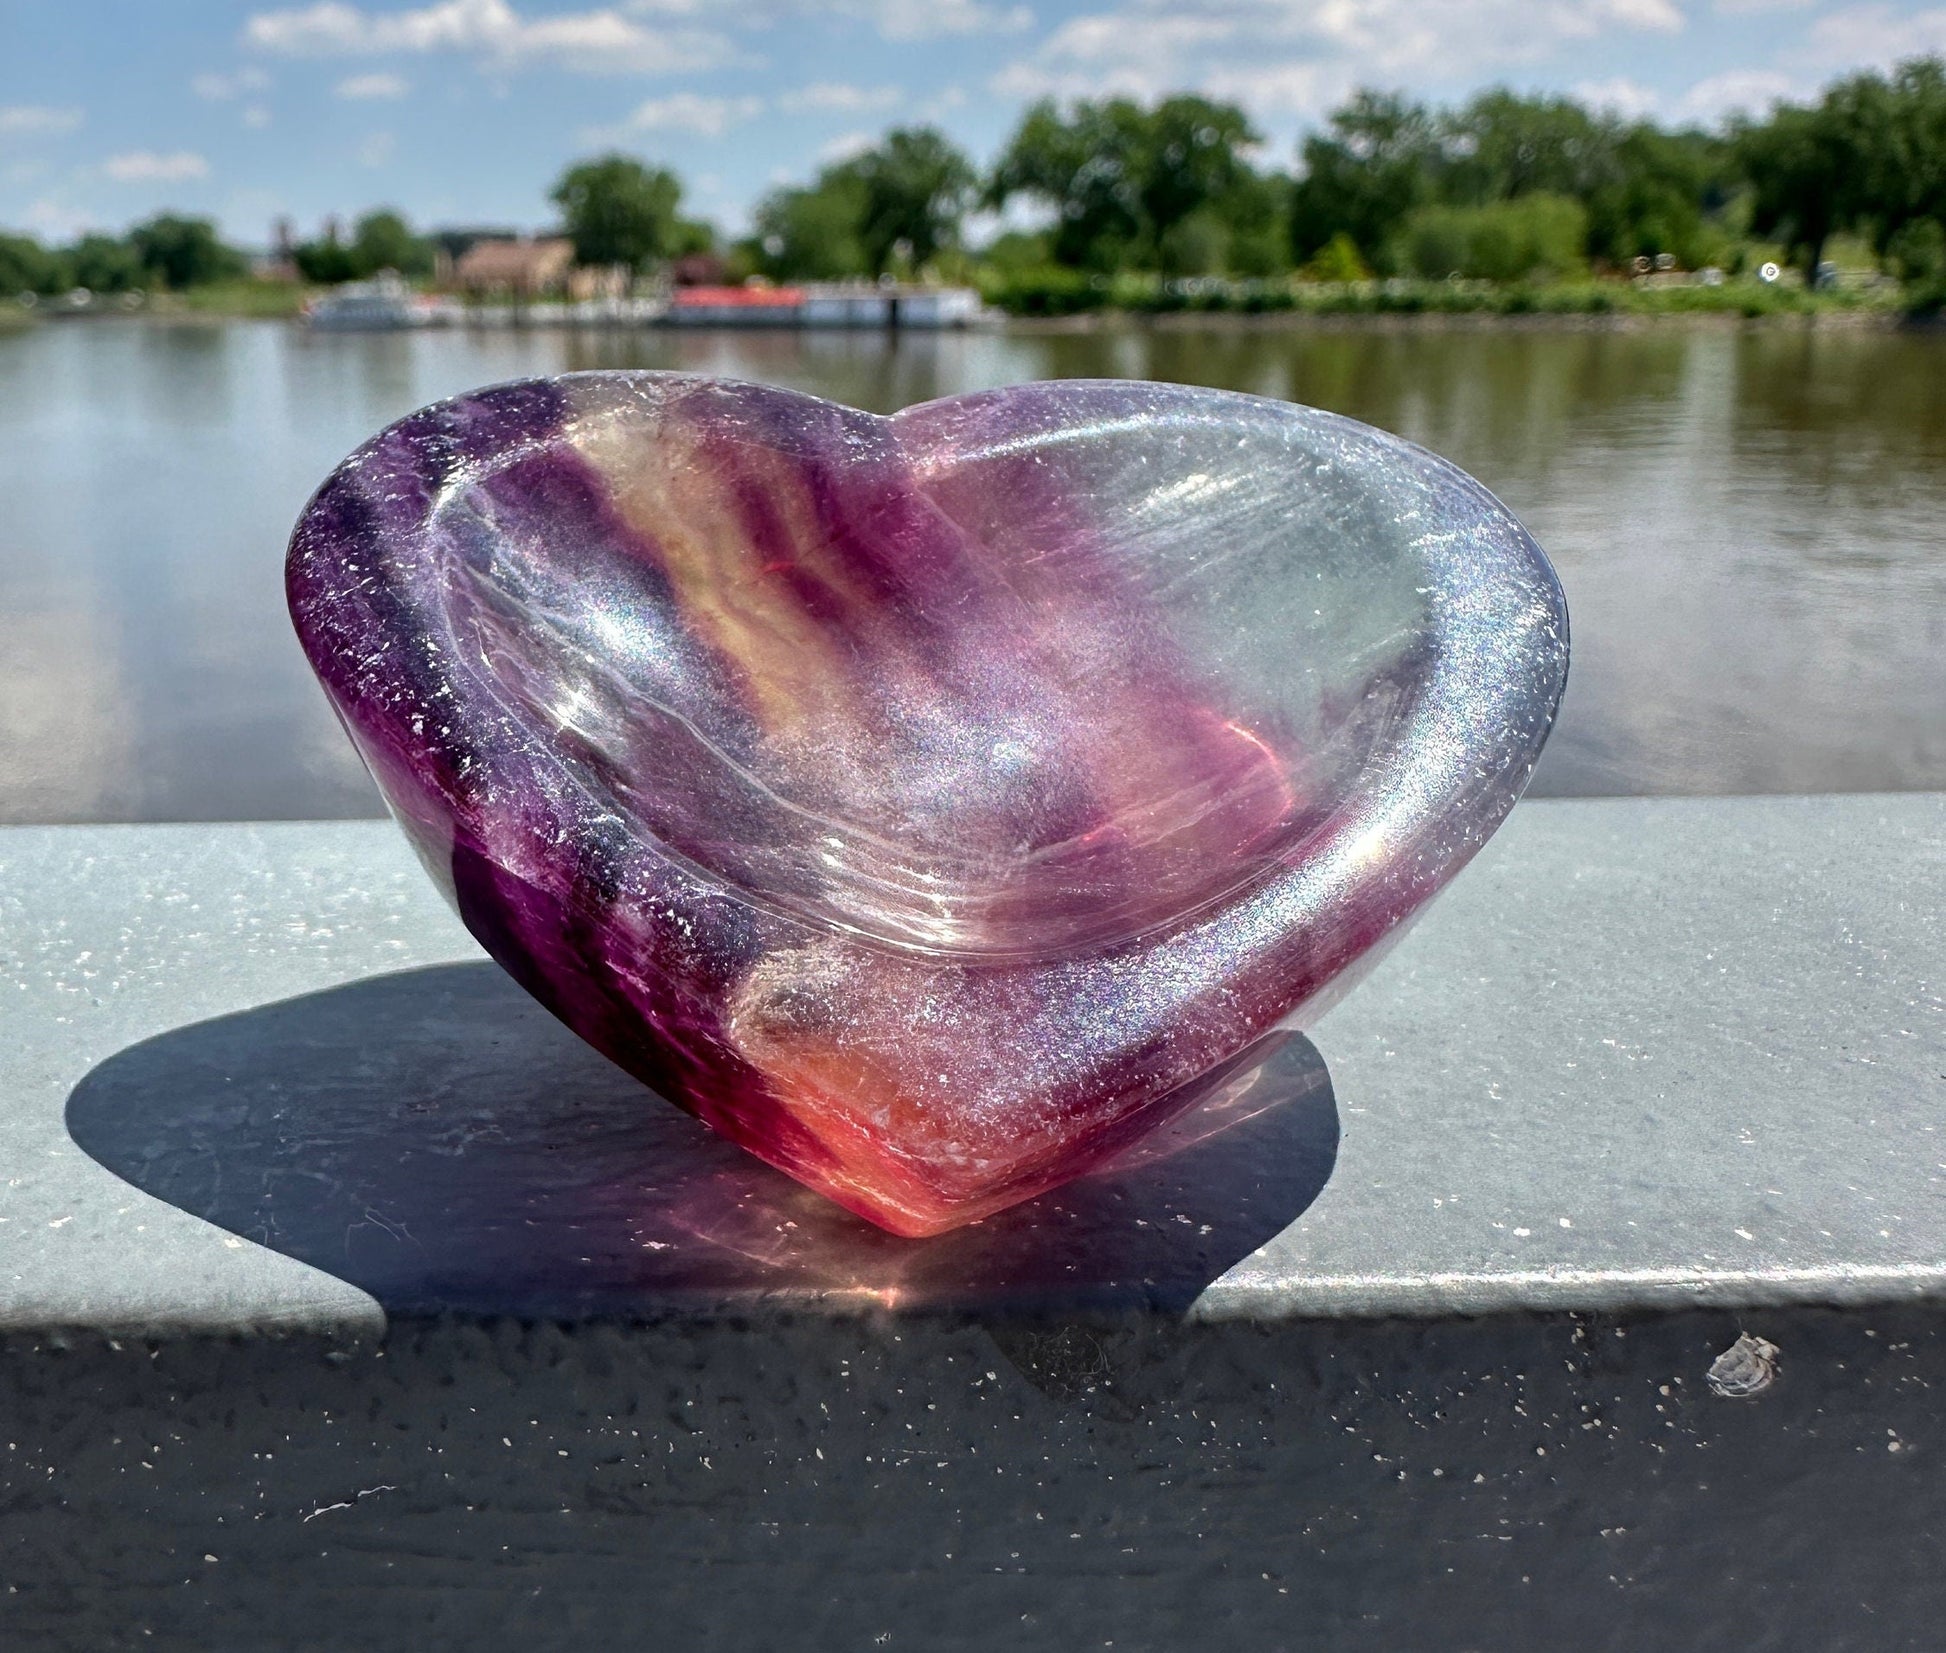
(463, 111)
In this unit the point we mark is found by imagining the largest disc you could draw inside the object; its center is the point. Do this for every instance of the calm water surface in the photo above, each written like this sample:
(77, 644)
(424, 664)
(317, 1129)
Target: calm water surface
(1751, 527)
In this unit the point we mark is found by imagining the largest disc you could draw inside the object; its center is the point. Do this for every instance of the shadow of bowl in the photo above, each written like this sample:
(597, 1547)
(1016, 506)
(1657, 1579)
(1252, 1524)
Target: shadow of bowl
(437, 1139)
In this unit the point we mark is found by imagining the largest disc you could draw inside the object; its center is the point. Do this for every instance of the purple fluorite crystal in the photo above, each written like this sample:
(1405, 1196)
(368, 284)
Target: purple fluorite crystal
(931, 804)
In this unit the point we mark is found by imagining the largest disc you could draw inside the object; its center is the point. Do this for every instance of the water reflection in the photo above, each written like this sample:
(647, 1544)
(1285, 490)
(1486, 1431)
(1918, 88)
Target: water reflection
(1748, 524)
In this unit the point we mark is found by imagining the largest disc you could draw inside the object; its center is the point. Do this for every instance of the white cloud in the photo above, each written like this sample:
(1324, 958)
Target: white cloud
(212, 87)
(711, 117)
(1873, 35)
(890, 19)
(54, 220)
(1748, 91)
(256, 117)
(148, 166)
(360, 88)
(377, 149)
(831, 97)
(930, 19)
(600, 41)
(1302, 56)
(690, 112)
(1739, 8)
(1280, 88)
(1660, 15)
(1707, 103)
(846, 145)
(36, 119)
(1628, 98)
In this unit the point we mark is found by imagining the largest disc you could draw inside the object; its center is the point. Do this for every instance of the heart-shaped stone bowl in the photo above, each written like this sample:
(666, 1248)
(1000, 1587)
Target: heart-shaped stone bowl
(931, 804)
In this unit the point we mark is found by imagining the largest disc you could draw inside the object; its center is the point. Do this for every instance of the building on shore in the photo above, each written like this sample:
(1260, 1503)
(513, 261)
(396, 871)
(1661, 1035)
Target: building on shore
(699, 270)
(542, 267)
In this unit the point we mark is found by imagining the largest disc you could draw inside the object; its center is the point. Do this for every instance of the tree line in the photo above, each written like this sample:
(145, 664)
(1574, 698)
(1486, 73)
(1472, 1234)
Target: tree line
(1504, 187)
(166, 251)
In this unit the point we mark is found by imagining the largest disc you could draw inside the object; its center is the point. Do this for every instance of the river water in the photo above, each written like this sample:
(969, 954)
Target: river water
(1751, 526)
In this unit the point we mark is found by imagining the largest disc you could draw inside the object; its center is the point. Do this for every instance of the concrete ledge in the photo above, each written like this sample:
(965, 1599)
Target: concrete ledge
(1645, 1054)
(563, 1371)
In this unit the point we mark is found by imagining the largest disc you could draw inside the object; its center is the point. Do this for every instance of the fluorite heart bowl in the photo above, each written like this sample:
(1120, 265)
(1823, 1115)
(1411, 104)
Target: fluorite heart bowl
(932, 804)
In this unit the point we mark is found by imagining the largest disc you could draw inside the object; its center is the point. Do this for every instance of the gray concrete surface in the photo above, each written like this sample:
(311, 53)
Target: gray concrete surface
(1643, 1054)
(1410, 1347)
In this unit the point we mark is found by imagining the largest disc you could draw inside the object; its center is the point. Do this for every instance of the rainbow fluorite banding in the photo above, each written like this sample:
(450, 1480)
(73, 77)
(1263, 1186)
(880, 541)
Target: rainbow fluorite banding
(931, 804)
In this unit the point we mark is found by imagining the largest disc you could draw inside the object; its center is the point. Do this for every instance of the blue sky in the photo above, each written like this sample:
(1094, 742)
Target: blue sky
(463, 111)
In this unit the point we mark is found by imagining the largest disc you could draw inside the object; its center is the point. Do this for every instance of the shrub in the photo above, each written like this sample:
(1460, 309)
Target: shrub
(1918, 254)
(1044, 290)
(1529, 237)
(1337, 260)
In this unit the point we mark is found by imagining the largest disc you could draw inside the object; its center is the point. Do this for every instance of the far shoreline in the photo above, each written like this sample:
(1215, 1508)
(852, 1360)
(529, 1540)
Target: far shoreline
(1468, 321)
(1488, 317)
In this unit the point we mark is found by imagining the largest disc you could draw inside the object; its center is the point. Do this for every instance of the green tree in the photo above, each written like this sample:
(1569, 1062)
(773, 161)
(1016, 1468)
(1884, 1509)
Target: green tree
(1899, 128)
(899, 203)
(618, 211)
(1663, 191)
(915, 188)
(1382, 159)
(180, 252)
(693, 235)
(1379, 158)
(1502, 145)
(104, 264)
(1256, 214)
(1803, 167)
(28, 267)
(814, 232)
(383, 240)
(1191, 161)
(1169, 187)
(326, 261)
(1869, 156)
(1081, 166)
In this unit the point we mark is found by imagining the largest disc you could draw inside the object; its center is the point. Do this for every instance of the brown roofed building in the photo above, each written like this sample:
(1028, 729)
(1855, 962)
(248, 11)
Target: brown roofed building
(525, 268)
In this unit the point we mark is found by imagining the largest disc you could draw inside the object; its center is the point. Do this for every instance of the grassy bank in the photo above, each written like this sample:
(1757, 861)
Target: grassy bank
(240, 299)
(1058, 292)
(222, 300)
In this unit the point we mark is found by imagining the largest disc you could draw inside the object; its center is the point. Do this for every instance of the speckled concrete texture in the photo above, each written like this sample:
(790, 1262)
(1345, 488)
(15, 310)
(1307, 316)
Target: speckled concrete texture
(1379, 1486)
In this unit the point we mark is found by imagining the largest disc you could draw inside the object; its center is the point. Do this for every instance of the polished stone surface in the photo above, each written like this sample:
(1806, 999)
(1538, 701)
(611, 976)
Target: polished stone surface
(936, 805)
(1644, 1054)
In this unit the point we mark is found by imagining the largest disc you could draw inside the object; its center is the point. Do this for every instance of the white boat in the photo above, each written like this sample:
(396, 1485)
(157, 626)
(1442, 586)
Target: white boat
(383, 303)
(889, 304)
